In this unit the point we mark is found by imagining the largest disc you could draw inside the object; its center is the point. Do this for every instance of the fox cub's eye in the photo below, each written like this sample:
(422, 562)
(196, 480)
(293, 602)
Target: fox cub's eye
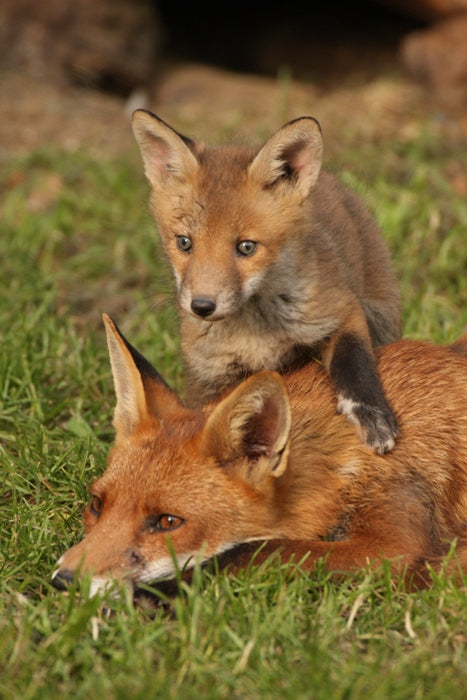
(163, 523)
(184, 243)
(246, 248)
(95, 506)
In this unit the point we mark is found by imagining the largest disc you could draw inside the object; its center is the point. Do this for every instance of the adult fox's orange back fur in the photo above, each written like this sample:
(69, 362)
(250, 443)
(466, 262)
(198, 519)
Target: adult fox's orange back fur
(272, 461)
(274, 262)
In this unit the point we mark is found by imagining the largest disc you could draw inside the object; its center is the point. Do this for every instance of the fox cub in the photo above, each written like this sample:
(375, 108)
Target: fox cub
(273, 461)
(275, 262)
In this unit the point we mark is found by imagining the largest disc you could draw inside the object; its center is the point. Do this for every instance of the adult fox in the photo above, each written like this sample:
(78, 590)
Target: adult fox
(273, 461)
(274, 262)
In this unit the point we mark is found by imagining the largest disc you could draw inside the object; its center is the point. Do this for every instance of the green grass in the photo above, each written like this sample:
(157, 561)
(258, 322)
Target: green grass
(88, 246)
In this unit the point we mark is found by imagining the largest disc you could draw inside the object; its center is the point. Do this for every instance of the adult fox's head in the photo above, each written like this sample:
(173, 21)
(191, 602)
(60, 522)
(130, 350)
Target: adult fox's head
(224, 212)
(179, 484)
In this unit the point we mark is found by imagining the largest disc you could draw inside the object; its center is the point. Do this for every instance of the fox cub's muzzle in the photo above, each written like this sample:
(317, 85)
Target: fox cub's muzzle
(203, 306)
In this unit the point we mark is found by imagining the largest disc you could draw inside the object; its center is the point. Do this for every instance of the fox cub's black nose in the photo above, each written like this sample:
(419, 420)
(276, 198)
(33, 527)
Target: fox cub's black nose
(62, 579)
(203, 306)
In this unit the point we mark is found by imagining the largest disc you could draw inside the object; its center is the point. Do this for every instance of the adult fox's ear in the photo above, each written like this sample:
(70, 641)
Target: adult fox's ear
(165, 152)
(141, 391)
(292, 155)
(251, 428)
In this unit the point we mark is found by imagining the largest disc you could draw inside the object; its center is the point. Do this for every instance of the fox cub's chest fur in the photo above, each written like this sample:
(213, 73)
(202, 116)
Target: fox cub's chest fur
(264, 333)
(273, 261)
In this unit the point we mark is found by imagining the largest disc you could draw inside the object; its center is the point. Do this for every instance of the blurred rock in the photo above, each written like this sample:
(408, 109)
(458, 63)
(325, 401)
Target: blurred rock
(192, 93)
(202, 100)
(428, 10)
(437, 58)
(109, 44)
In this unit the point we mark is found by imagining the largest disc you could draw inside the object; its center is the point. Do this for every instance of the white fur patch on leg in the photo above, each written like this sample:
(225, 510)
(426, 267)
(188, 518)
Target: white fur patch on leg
(374, 429)
(348, 408)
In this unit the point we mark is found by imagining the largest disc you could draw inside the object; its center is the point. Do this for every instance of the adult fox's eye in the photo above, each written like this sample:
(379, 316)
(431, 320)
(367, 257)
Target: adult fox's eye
(95, 506)
(184, 243)
(163, 523)
(246, 248)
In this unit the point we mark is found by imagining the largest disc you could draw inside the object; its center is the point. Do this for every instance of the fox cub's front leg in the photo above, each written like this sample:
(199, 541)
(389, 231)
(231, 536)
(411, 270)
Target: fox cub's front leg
(351, 365)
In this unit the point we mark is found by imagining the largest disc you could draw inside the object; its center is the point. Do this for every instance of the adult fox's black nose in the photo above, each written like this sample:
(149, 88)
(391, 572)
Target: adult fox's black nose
(203, 306)
(62, 579)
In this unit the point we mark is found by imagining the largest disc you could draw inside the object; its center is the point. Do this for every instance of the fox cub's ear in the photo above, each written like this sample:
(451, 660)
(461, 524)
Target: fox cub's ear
(253, 422)
(294, 154)
(165, 152)
(141, 391)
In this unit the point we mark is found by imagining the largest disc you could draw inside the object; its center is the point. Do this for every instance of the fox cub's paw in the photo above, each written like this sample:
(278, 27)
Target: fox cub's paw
(377, 424)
